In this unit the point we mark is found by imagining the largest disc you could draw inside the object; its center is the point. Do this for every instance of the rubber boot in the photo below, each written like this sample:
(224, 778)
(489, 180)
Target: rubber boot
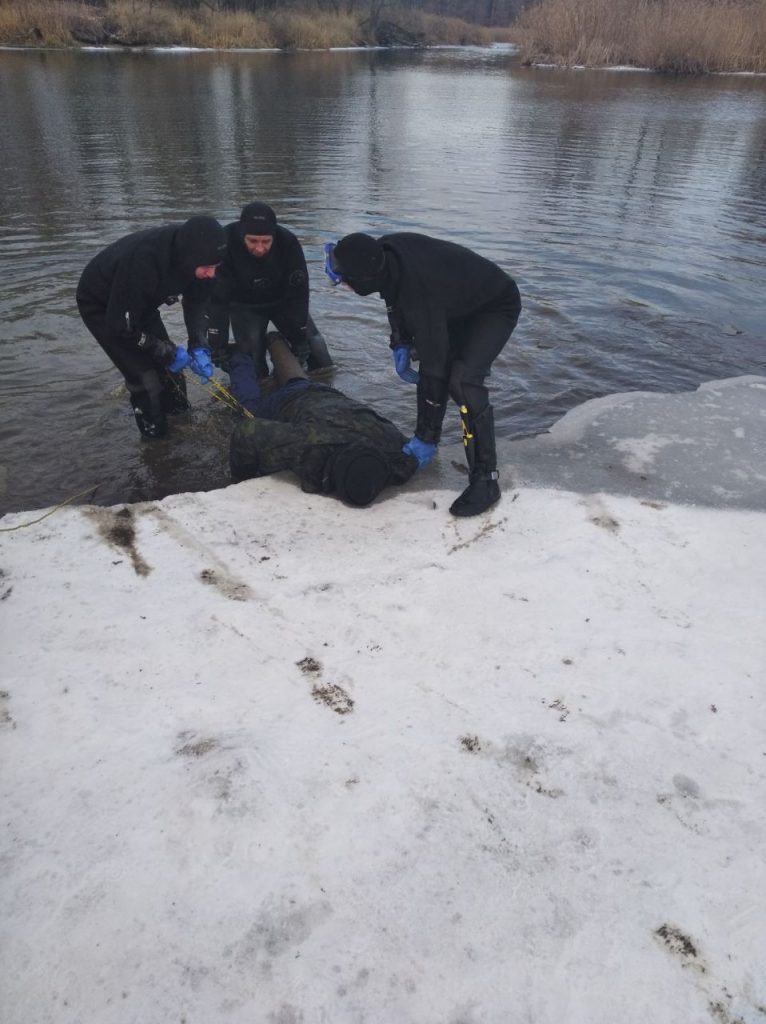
(319, 356)
(483, 491)
(151, 422)
(286, 366)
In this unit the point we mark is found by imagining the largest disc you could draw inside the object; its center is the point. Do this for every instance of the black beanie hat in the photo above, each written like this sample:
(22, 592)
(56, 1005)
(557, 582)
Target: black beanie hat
(359, 257)
(200, 242)
(359, 473)
(257, 219)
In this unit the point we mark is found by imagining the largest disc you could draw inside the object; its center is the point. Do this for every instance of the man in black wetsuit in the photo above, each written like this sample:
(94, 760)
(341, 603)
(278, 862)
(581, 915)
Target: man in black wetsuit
(454, 311)
(334, 444)
(119, 295)
(263, 279)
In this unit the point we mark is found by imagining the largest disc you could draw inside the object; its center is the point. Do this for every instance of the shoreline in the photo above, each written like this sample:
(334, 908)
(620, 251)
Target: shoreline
(544, 66)
(181, 48)
(608, 430)
(509, 47)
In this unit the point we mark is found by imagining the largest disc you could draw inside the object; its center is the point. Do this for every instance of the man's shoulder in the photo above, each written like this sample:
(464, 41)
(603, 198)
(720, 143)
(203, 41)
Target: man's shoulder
(413, 244)
(152, 239)
(233, 236)
(150, 252)
(406, 238)
(286, 237)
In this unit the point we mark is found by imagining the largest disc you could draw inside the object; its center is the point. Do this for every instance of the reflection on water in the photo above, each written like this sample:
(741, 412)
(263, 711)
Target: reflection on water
(630, 208)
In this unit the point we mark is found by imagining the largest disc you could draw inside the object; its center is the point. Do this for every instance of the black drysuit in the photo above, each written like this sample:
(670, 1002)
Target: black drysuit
(119, 295)
(457, 310)
(252, 291)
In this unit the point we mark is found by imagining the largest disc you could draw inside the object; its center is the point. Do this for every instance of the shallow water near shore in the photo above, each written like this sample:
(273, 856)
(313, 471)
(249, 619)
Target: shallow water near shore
(630, 208)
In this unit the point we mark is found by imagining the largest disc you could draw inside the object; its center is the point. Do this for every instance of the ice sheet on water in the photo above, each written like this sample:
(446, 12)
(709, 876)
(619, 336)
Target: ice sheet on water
(702, 447)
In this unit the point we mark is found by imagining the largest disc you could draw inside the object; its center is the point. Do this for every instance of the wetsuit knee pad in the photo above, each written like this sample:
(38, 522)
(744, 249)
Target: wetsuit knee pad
(455, 383)
(475, 398)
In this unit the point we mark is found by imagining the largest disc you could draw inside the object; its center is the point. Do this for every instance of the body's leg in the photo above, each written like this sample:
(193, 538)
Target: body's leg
(286, 366)
(246, 388)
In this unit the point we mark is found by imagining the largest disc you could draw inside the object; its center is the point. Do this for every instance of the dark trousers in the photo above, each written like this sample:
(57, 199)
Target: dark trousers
(165, 391)
(247, 390)
(475, 343)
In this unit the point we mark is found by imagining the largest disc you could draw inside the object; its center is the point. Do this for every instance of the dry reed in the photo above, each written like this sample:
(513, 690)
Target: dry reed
(143, 23)
(679, 36)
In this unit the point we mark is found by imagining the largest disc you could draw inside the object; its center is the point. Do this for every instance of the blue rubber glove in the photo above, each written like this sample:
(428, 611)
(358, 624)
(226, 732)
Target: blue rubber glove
(201, 363)
(180, 360)
(423, 451)
(402, 364)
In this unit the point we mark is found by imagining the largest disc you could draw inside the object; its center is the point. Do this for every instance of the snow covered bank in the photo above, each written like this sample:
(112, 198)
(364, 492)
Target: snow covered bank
(270, 759)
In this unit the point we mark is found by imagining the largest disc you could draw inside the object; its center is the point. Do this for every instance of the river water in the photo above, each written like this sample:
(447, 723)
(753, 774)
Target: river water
(629, 207)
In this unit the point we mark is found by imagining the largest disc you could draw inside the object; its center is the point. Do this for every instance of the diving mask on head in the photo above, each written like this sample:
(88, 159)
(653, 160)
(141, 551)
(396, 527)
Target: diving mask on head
(331, 266)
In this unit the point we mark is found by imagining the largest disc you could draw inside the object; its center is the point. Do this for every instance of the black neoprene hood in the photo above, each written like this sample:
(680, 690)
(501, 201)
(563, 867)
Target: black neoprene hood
(200, 242)
(257, 219)
(360, 257)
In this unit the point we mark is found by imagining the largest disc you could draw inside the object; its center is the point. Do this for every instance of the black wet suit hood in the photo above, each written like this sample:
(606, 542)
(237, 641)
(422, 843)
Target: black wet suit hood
(257, 219)
(199, 242)
(362, 262)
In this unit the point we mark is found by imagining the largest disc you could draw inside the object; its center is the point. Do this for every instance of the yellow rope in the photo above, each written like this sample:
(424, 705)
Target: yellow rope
(21, 526)
(221, 393)
(224, 391)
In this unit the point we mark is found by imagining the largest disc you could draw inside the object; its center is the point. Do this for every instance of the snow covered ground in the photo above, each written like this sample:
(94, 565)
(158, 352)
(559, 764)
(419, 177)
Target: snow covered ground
(270, 759)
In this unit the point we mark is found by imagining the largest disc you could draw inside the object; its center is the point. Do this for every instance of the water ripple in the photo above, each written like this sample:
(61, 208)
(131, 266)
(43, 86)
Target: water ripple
(630, 208)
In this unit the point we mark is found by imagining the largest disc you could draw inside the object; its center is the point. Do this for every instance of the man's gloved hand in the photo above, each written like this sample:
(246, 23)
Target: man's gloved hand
(423, 451)
(402, 364)
(201, 363)
(180, 360)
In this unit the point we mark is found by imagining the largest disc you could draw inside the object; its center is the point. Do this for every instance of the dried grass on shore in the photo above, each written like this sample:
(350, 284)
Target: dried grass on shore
(680, 36)
(140, 23)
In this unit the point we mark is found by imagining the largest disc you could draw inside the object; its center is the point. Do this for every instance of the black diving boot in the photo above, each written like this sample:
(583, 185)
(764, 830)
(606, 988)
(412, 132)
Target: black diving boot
(151, 423)
(483, 491)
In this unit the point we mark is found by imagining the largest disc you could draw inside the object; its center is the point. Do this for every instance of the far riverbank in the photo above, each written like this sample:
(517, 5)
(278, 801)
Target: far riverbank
(43, 23)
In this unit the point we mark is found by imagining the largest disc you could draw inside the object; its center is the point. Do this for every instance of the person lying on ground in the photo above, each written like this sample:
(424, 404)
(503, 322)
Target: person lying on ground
(263, 280)
(119, 295)
(334, 444)
(454, 311)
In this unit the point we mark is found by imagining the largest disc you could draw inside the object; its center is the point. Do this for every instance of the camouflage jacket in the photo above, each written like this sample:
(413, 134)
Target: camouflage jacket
(313, 425)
